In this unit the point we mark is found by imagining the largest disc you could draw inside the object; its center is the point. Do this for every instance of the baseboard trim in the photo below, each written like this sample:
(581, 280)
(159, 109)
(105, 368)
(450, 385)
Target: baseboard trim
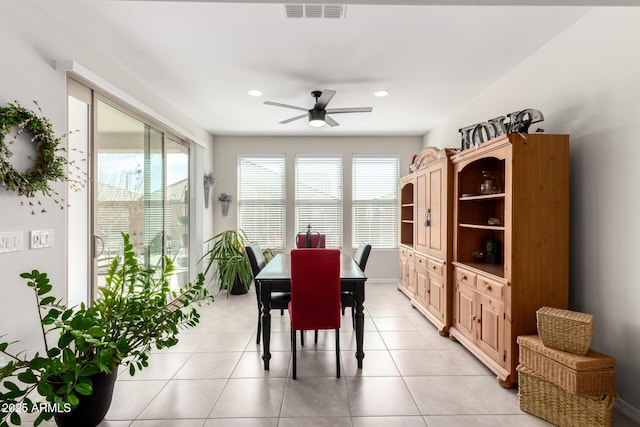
(628, 410)
(385, 281)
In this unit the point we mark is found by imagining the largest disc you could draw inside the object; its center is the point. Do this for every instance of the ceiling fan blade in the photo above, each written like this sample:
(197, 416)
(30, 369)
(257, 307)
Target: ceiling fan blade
(277, 104)
(324, 99)
(331, 122)
(350, 110)
(284, 122)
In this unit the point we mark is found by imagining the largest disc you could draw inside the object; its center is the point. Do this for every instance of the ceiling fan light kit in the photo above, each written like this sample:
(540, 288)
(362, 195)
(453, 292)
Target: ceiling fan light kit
(317, 115)
(317, 118)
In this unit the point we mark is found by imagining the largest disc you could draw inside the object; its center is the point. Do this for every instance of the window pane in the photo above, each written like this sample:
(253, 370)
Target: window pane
(375, 201)
(177, 210)
(319, 197)
(261, 200)
(130, 187)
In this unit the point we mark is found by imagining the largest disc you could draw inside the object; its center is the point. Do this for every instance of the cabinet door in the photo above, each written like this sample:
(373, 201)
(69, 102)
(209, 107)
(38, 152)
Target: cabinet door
(436, 296)
(490, 332)
(422, 202)
(464, 307)
(422, 286)
(404, 272)
(407, 280)
(411, 284)
(436, 205)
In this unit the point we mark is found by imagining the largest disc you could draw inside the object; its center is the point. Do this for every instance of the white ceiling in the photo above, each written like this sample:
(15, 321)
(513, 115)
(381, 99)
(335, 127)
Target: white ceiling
(203, 57)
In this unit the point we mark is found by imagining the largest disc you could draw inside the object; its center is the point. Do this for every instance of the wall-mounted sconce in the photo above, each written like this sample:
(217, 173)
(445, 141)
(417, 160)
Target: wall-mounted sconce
(209, 182)
(225, 201)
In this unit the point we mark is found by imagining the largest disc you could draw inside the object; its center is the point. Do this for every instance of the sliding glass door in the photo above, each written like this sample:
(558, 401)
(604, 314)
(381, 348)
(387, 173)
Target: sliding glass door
(138, 183)
(129, 189)
(177, 209)
(141, 188)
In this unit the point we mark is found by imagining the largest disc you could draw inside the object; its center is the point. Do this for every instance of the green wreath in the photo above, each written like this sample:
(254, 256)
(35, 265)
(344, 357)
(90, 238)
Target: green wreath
(49, 167)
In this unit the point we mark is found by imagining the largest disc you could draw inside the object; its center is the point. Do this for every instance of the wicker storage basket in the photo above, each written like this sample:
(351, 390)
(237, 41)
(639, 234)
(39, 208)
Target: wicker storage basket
(545, 400)
(593, 373)
(565, 330)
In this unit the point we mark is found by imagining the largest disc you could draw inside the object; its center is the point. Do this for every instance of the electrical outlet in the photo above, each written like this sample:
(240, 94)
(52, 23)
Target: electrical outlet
(41, 239)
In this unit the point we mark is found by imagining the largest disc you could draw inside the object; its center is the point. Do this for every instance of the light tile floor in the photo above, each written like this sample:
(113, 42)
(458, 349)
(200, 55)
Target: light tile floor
(411, 376)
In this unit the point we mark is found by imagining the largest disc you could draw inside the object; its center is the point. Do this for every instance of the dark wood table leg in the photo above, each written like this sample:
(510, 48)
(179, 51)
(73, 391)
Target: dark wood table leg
(265, 295)
(359, 297)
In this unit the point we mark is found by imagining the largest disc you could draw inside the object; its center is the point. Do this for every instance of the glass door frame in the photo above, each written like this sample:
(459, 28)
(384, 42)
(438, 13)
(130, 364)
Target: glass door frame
(167, 135)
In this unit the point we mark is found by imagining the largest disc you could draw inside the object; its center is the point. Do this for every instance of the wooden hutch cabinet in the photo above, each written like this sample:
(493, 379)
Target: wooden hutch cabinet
(407, 275)
(425, 262)
(510, 243)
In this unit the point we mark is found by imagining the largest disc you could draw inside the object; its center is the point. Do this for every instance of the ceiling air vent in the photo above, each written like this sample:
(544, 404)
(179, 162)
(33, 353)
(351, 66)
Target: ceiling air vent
(334, 11)
(329, 11)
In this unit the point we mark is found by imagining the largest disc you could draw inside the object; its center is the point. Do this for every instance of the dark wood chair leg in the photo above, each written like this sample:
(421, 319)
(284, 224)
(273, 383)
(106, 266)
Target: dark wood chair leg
(338, 353)
(315, 337)
(294, 350)
(301, 338)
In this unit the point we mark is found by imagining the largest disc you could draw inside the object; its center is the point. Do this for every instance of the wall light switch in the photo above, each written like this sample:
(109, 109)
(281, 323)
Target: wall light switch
(11, 241)
(41, 239)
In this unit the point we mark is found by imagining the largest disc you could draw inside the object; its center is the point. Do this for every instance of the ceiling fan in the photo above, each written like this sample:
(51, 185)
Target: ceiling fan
(318, 115)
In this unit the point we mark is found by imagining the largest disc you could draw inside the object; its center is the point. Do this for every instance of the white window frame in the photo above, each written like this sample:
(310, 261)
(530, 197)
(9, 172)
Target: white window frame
(266, 195)
(334, 186)
(378, 192)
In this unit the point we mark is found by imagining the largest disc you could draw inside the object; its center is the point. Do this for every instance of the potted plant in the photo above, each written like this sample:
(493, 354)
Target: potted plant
(84, 346)
(233, 270)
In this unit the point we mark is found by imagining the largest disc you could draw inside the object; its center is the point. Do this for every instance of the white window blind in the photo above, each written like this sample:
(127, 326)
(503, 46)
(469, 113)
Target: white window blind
(319, 196)
(261, 199)
(375, 201)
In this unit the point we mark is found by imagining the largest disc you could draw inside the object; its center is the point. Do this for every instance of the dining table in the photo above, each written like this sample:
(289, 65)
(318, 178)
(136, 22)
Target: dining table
(276, 277)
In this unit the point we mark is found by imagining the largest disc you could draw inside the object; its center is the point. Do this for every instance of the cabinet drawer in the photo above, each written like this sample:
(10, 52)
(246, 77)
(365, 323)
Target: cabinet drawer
(490, 287)
(466, 277)
(420, 262)
(406, 253)
(435, 267)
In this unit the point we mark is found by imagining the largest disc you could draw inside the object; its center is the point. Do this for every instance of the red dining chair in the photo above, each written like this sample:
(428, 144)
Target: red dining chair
(310, 240)
(315, 295)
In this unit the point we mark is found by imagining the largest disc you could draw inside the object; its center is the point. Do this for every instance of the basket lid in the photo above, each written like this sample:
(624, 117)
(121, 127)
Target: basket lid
(575, 316)
(592, 361)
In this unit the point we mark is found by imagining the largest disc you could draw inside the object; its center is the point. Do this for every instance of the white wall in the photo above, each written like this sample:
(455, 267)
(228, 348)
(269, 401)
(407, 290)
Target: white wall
(383, 264)
(586, 82)
(33, 43)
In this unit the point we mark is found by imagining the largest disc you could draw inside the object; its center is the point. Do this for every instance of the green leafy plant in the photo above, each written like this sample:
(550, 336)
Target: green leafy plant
(137, 311)
(227, 253)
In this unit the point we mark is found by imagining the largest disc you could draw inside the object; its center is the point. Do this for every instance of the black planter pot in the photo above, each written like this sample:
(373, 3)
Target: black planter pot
(93, 408)
(238, 288)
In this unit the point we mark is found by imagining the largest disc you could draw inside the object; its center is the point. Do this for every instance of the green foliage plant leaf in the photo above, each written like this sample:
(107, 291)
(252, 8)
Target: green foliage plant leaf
(135, 313)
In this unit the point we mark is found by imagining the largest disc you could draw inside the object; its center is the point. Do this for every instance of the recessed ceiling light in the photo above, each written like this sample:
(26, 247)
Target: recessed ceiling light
(381, 93)
(255, 92)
